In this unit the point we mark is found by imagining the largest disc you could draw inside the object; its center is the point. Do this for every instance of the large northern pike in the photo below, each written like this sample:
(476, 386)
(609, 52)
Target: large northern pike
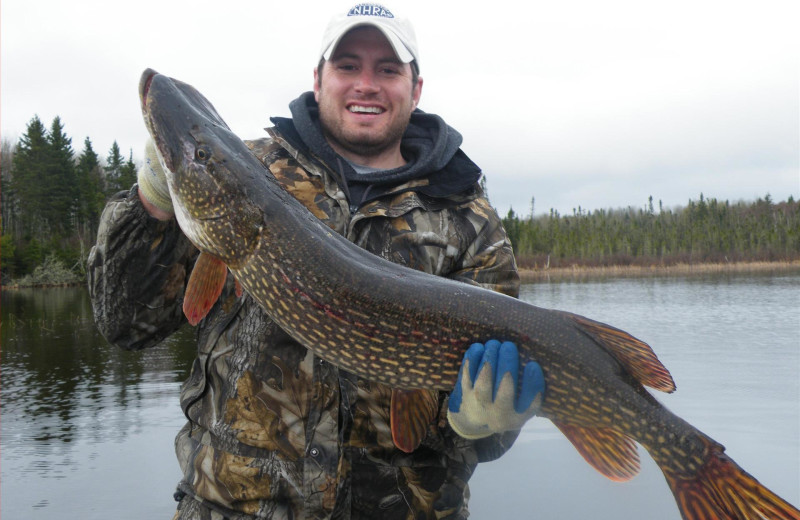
(408, 329)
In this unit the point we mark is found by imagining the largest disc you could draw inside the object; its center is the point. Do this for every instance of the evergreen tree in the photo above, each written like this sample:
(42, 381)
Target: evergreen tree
(91, 191)
(61, 190)
(29, 177)
(128, 173)
(484, 187)
(114, 170)
(8, 198)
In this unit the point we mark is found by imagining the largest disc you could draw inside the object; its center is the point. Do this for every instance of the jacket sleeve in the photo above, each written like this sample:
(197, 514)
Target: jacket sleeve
(137, 273)
(488, 260)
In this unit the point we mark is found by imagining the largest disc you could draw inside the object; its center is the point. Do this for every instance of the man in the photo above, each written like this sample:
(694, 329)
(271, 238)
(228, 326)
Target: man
(274, 431)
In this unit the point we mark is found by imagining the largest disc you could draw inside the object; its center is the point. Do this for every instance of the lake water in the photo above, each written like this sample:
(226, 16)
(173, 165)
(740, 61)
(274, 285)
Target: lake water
(87, 429)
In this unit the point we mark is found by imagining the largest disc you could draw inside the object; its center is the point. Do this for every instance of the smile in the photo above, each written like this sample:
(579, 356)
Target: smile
(359, 109)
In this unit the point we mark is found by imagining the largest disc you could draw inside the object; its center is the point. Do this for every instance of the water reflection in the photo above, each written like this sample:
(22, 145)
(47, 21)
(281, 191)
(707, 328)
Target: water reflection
(57, 367)
(80, 416)
(69, 399)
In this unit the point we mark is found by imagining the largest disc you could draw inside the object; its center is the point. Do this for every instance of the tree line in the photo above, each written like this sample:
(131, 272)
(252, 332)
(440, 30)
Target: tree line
(705, 230)
(52, 198)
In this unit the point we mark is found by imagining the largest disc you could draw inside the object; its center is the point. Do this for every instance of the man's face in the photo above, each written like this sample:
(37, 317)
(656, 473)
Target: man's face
(365, 97)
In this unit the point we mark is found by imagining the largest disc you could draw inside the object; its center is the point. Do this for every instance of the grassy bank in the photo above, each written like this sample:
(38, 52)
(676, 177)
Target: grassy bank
(539, 274)
(578, 272)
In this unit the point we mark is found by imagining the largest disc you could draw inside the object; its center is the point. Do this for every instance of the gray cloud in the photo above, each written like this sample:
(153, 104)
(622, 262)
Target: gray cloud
(575, 103)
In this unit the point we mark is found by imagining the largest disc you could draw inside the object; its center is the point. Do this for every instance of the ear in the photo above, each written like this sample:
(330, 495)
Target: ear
(316, 84)
(417, 92)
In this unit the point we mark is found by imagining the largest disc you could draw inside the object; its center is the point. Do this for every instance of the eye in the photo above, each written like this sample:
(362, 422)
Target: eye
(203, 154)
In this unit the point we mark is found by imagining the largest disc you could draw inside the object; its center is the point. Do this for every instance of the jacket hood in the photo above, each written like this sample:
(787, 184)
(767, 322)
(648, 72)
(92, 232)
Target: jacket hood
(436, 164)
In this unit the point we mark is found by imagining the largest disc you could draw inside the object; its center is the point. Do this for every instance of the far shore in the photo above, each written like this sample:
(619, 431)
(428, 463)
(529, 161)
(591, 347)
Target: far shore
(632, 271)
(577, 272)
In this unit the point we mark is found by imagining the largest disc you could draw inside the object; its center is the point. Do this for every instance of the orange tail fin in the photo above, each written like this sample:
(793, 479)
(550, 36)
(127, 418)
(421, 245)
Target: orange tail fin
(723, 490)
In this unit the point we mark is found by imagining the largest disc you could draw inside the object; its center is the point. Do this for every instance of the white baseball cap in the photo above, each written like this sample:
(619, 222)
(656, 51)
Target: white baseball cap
(397, 30)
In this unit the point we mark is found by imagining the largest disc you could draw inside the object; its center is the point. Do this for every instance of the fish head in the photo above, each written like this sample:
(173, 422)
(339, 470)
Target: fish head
(206, 165)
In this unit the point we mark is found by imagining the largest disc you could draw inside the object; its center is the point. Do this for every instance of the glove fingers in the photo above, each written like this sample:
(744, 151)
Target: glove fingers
(484, 382)
(473, 355)
(532, 387)
(488, 396)
(489, 358)
(507, 363)
(470, 365)
(152, 179)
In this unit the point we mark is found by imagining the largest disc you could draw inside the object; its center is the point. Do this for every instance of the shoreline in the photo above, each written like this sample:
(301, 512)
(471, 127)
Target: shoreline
(17, 287)
(577, 272)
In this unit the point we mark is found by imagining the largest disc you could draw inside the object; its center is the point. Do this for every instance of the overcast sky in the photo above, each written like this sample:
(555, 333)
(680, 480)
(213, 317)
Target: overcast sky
(588, 103)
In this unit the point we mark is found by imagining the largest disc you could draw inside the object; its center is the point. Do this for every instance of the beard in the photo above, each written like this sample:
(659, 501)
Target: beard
(363, 141)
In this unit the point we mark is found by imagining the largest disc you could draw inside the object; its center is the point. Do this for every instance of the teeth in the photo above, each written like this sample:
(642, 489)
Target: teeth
(365, 110)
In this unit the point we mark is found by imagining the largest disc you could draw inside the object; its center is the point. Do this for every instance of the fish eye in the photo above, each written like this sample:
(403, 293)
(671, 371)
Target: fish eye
(203, 154)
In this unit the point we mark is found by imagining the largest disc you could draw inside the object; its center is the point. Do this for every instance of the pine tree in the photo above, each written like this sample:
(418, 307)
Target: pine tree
(114, 170)
(29, 177)
(8, 198)
(91, 192)
(61, 190)
(127, 173)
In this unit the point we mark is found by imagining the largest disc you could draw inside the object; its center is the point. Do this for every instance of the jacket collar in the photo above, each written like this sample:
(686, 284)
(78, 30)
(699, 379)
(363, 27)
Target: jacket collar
(437, 167)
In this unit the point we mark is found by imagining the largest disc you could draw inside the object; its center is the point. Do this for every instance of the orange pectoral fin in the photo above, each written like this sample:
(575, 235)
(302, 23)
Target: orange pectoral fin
(608, 451)
(204, 287)
(412, 411)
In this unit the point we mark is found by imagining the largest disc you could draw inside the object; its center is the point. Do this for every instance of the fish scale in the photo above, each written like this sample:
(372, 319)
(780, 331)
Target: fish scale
(409, 330)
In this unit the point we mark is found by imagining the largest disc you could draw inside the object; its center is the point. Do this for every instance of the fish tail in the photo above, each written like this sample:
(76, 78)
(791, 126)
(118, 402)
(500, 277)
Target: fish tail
(723, 490)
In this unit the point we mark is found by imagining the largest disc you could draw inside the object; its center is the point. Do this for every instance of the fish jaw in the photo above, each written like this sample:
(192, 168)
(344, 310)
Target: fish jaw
(194, 146)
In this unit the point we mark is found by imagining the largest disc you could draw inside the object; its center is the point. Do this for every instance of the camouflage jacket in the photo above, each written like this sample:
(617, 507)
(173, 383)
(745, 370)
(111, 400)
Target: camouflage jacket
(274, 431)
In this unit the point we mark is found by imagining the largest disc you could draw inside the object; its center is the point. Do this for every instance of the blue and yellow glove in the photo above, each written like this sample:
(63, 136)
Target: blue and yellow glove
(486, 399)
(153, 181)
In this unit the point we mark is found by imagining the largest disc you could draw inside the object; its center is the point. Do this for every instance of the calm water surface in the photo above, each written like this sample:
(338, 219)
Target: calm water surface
(732, 345)
(87, 429)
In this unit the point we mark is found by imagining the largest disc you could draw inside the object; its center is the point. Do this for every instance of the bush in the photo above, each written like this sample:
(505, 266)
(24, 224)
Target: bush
(7, 252)
(51, 272)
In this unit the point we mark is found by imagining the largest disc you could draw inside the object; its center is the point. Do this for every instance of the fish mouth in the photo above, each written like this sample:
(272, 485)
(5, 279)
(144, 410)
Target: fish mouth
(145, 82)
(144, 85)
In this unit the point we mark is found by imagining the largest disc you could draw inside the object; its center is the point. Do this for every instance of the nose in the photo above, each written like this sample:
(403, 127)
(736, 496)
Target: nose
(367, 82)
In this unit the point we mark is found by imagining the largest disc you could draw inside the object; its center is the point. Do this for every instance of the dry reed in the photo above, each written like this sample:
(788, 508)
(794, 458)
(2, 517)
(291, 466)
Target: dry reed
(630, 271)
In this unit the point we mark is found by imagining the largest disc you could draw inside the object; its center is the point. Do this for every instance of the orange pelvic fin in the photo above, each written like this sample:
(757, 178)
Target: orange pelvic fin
(608, 451)
(412, 411)
(204, 287)
(723, 490)
(636, 355)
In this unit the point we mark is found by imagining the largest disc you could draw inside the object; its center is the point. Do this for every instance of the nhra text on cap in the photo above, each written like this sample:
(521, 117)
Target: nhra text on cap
(397, 30)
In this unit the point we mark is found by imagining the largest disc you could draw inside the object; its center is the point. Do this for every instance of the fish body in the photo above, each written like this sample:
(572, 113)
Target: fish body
(409, 329)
